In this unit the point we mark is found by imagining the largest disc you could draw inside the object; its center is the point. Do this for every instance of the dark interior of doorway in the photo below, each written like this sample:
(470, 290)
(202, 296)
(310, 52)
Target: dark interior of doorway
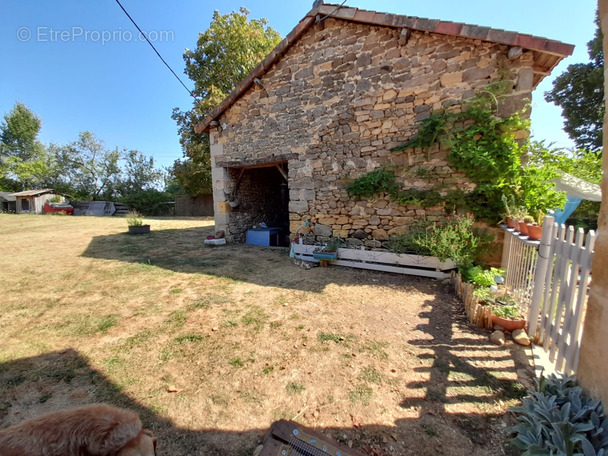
(263, 197)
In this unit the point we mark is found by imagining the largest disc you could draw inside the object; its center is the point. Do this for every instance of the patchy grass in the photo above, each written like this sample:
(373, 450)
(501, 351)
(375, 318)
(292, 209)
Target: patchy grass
(236, 362)
(370, 375)
(361, 393)
(211, 345)
(294, 388)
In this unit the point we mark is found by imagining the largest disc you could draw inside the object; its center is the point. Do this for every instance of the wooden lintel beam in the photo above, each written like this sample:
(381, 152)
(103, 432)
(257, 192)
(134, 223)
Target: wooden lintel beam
(282, 171)
(238, 183)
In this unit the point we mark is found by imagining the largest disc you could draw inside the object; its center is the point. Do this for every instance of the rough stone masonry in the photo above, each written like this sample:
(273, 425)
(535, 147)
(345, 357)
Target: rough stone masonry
(337, 101)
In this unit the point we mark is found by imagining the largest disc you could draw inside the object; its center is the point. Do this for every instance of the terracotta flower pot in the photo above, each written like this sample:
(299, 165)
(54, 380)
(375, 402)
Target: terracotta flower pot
(510, 222)
(507, 324)
(535, 232)
(523, 227)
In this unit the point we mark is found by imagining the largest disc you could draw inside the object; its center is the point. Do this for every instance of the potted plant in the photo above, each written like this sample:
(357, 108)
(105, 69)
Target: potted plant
(508, 214)
(136, 223)
(519, 213)
(527, 223)
(508, 314)
(535, 231)
(328, 252)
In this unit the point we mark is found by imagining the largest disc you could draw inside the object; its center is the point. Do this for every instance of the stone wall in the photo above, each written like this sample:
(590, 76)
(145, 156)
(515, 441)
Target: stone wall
(339, 99)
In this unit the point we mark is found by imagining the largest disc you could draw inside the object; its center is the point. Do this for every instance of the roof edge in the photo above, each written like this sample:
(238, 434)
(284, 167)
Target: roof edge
(268, 61)
(458, 29)
(33, 192)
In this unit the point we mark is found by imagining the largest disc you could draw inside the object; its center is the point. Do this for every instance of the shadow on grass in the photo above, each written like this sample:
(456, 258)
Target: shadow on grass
(461, 366)
(184, 251)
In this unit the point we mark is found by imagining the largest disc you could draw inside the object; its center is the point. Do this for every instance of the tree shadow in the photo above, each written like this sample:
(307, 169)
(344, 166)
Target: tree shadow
(184, 251)
(464, 367)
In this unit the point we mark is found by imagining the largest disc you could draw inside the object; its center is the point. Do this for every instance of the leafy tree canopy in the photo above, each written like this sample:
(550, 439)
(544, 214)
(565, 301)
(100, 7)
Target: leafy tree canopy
(19, 133)
(138, 174)
(24, 161)
(579, 91)
(579, 164)
(90, 168)
(231, 48)
(84, 169)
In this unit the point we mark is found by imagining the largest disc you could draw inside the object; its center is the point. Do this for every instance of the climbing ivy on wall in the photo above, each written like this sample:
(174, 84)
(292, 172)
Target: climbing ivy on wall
(483, 147)
(384, 181)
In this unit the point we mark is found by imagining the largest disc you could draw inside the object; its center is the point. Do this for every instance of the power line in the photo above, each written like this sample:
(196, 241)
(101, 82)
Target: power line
(157, 53)
(330, 14)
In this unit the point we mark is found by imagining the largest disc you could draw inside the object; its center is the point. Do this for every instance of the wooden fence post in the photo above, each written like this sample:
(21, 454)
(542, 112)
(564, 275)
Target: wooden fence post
(544, 259)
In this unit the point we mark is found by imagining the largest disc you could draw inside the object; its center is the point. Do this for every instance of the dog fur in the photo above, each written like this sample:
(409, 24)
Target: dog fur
(92, 430)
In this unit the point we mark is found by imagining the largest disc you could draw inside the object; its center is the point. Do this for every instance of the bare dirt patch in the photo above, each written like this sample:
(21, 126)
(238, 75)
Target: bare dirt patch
(212, 344)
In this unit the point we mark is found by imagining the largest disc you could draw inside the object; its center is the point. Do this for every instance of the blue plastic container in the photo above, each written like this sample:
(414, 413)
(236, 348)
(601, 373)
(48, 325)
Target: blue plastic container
(263, 236)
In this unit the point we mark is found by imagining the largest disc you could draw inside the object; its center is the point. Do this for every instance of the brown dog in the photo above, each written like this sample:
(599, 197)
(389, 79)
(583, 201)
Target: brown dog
(92, 430)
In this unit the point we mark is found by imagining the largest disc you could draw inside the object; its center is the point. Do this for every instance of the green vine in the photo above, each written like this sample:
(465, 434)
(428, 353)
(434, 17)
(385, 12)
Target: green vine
(384, 181)
(483, 147)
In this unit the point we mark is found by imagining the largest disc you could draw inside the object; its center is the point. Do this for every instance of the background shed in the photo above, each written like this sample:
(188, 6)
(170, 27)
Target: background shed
(7, 202)
(32, 201)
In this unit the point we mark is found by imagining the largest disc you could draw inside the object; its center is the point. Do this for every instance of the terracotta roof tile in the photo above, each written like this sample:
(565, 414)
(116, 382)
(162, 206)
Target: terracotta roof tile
(557, 47)
(380, 18)
(475, 31)
(364, 16)
(407, 21)
(426, 24)
(502, 36)
(345, 13)
(449, 28)
(530, 42)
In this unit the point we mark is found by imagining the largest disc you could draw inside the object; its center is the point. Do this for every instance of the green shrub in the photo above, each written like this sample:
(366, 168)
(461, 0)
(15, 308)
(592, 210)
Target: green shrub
(450, 237)
(511, 310)
(135, 219)
(560, 420)
(485, 278)
(149, 202)
(381, 180)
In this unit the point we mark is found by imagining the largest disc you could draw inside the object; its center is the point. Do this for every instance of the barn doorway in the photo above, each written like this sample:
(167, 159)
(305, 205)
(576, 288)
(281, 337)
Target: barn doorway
(260, 195)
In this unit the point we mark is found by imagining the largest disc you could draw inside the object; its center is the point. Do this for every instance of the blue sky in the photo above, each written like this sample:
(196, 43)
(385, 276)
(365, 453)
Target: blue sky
(79, 66)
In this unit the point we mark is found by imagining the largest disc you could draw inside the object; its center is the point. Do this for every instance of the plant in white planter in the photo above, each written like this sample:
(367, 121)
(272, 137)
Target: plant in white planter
(135, 221)
(328, 252)
(452, 237)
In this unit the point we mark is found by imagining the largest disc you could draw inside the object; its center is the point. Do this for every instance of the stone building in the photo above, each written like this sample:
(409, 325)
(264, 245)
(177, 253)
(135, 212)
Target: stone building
(332, 99)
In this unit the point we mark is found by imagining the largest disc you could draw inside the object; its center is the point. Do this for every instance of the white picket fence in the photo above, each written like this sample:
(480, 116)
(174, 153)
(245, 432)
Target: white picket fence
(552, 277)
(519, 259)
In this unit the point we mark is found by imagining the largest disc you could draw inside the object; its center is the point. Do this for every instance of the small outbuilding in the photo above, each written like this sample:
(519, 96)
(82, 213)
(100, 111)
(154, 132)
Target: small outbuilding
(335, 96)
(32, 201)
(7, 202)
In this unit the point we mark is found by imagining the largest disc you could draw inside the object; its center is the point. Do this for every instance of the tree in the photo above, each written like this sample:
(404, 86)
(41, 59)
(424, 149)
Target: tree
(193, 174)
(579, 91)
(24, 161)
(89, 168)
(230, 49)
(138, 174)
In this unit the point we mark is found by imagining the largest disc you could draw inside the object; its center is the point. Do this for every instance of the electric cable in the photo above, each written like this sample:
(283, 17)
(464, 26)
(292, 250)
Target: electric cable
(152, 46)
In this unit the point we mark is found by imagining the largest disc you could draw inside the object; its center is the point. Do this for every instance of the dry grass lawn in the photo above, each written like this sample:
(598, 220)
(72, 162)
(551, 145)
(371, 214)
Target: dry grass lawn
(212, 344)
